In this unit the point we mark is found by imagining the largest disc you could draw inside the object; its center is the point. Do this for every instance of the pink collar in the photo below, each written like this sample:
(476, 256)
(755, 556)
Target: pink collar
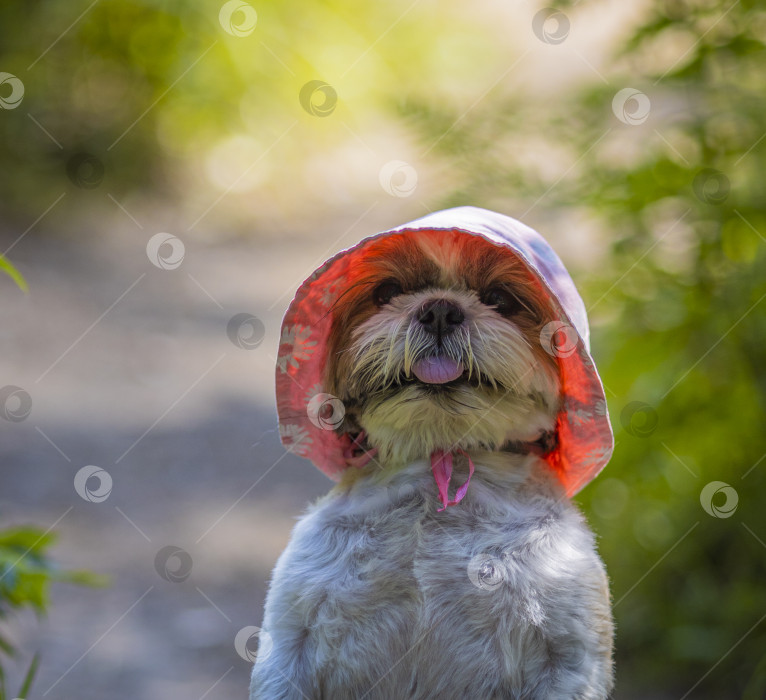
(441, 466)
(441, 461)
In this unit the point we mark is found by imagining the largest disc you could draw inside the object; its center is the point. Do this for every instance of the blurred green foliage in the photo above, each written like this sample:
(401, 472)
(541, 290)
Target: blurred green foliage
(678, 301)
(87, 86)
(135, 97)
(26, 573)
(13, 273)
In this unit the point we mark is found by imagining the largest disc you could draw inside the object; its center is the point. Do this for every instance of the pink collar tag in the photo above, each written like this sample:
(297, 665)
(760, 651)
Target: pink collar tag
(441, 466)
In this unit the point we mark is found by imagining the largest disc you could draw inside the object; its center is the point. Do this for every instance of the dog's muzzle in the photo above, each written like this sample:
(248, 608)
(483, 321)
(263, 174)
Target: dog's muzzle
(440, 318)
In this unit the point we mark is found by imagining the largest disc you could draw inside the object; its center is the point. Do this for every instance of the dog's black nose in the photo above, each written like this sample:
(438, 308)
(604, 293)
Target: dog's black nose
(440, 316)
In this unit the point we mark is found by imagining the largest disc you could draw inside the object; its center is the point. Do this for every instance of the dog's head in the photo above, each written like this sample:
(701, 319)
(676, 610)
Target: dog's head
(435, 344)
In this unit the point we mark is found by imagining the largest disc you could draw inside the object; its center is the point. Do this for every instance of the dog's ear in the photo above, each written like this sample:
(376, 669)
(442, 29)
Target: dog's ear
(489, 269)
(353, 307)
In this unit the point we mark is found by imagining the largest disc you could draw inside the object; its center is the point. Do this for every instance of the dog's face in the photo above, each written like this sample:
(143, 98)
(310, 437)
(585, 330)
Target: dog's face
(435, 344)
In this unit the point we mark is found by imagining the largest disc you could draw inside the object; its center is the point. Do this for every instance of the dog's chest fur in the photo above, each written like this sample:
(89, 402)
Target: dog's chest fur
(378, 595)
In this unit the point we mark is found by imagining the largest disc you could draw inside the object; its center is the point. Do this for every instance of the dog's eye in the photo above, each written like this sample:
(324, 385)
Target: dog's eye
(504, 301)
(386, 291)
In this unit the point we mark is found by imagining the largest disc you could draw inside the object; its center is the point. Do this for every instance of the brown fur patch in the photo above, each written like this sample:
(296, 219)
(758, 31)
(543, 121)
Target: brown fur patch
(438, 260)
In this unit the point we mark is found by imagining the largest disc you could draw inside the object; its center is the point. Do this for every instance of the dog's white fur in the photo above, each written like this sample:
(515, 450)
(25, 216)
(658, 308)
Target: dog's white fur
(379, 596)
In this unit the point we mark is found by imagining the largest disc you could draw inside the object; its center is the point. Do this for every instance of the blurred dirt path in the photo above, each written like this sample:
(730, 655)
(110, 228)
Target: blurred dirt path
(130, 368)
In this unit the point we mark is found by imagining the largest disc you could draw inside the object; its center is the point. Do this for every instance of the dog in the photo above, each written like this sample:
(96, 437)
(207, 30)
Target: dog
(452, 350)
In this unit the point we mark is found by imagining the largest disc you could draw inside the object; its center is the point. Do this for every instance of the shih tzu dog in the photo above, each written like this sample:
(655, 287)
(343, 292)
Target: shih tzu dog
(440, 372)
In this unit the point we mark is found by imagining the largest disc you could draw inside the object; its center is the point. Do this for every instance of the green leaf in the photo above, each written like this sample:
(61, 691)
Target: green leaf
(82, 578)
(25, 537)
(29, 677)
(15, 275)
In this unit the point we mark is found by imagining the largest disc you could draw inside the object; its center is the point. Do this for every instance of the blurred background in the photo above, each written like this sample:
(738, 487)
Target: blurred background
(171, 170)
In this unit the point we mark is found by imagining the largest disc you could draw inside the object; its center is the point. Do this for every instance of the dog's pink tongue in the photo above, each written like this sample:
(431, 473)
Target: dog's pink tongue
(437, 370)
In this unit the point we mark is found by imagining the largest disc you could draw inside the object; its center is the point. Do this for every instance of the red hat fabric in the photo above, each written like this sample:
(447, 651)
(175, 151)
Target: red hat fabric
(307, 415)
